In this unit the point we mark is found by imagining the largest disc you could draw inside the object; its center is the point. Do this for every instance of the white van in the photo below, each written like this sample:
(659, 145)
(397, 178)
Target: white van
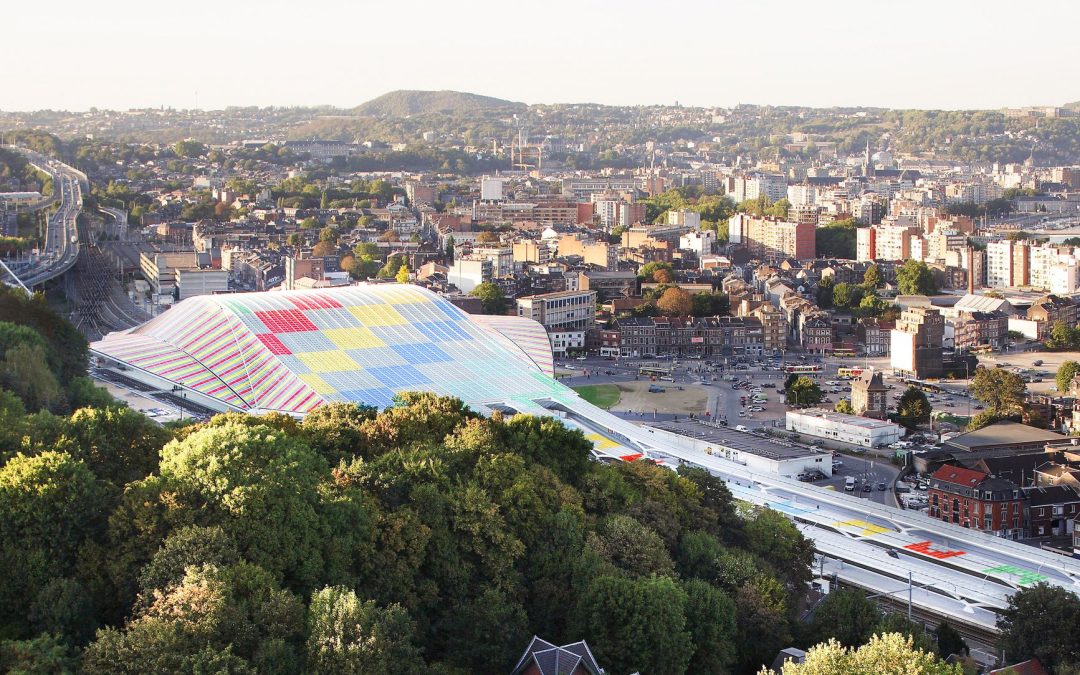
(849, 484)
(740, 427)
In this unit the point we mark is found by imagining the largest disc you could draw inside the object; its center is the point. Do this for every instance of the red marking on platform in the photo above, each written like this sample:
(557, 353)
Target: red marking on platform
(924, 548)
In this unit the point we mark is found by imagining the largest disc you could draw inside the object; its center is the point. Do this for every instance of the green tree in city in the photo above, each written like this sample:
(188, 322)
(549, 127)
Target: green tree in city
(872, 278)
(635, 624)
(846, 616)
(1001, 391)
(1040, 622)
(402, 276)
(350, 636)
(949, 640)
(675, 302)
(845, 296)
(803, 391)
(1065, 375)
(844, 406)
(914, 278)
(1063, 337)
(491, 298)
(913, 408)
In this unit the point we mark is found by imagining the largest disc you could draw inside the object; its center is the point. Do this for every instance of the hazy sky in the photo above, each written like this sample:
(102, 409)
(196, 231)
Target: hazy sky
(146, 53)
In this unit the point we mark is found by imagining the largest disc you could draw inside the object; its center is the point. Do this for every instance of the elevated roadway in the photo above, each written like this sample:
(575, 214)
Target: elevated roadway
(60, 248)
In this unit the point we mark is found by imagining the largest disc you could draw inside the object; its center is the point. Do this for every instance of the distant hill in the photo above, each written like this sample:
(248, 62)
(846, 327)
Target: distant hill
(404, 102)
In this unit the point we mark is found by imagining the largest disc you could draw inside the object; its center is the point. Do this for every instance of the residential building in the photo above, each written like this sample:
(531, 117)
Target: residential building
(1051, 511)
(467, 273)
(608, 284)
(544, 658)
(771, 239)
(974, 499)
(205, 281)
(875, 335)
(973, 329)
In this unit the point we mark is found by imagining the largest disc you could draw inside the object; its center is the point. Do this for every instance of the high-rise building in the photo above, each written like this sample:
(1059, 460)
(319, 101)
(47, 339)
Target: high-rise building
(916, 342)
(771, 239)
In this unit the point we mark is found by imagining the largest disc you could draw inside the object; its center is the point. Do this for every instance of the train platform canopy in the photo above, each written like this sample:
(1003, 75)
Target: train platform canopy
(291, 351)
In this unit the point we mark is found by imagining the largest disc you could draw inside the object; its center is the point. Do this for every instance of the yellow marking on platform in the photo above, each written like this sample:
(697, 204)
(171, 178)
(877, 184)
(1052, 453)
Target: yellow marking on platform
(868, 529)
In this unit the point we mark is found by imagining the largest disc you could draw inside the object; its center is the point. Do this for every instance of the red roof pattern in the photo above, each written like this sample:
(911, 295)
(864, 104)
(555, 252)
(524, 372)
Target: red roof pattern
(958, 475)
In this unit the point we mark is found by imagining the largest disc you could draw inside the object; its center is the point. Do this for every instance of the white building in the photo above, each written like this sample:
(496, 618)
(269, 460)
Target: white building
(684, 218)
(700, 242)
(194, 281)
(491, 189)
(862, 431)
(468, 273)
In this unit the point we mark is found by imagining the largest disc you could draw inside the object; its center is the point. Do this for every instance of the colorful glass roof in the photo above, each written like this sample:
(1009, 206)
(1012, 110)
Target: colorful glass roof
(291, 351)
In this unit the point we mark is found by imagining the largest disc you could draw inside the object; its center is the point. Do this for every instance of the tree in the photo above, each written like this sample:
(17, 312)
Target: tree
(803, 391)
(845, 615)
(675, 302)
(491, 298)
(825, 293)
(1000, 390)
(648, 270)
(836, 240)
(632, 547)
(402, 276)
(347, 635)
(949, 641)
(1063, 337)
(635, 624)
(845, 295)
(450, 248)
(913, 407)
(261, 486)
(1066, 374)
(710, 304)
(324, 249)
(888, 654)
(872, 278)
(1040, 622)
(663, 276)
(844, 406)
(710, 618)
(915, 278)
(896, 622)
(49, 504)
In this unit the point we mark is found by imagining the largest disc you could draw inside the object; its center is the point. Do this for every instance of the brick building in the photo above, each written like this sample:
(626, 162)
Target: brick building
(974, 499)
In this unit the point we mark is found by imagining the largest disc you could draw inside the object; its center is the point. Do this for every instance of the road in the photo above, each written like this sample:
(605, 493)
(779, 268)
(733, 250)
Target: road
(60, 248)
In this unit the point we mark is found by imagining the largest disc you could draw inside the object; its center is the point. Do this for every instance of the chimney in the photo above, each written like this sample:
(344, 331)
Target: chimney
(971, 270)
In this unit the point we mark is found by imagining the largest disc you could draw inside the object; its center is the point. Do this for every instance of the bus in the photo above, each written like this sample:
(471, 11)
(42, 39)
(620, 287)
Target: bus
(844, 373)
(803, 369)
(981, 349)
(844, 353)
(654, 371)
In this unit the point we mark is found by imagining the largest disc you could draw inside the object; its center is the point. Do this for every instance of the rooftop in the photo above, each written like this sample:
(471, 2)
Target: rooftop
(762, 446)
(1002, 433)
(841, 418)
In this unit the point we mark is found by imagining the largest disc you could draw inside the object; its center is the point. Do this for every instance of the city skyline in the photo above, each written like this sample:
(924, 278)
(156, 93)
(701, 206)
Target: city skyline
(777, 53)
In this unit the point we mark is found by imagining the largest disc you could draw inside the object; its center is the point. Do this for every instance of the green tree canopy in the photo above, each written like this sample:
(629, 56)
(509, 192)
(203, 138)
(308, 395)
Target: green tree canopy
(1040, 623)
(1065, 375)
(915, 278)
(491, 298)
(888, 654)
(803, 391)
(1000, 390)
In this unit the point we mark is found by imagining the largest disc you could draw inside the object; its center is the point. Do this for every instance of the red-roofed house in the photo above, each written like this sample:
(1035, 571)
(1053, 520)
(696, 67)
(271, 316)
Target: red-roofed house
(975, 499)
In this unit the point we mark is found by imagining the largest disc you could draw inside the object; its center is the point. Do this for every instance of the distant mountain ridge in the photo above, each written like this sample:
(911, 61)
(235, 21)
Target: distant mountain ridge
(404, 102)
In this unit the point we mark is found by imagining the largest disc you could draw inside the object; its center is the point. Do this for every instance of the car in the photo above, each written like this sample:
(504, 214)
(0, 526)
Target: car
(867, 488)
(582, 358)
(653, 389)
(892, 553)
(739, 427)
(881, 486)
(1037, 362)
(804, 477)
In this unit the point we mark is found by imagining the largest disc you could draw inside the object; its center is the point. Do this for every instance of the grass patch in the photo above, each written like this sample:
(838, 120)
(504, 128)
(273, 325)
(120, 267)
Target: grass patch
(600, 395)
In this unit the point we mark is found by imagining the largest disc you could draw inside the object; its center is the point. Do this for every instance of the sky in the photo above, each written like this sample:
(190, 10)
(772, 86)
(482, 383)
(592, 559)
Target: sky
(950, 54)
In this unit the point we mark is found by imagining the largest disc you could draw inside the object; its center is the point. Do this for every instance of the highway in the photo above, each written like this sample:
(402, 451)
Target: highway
(966, 575)
(60, 248)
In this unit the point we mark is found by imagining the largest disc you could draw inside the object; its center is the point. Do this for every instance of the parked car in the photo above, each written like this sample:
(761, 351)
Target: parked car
(1037, 362)
(867, 487)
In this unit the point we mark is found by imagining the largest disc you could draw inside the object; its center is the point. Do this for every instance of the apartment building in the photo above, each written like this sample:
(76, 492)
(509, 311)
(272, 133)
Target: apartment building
(772, 239)
(566, 316)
